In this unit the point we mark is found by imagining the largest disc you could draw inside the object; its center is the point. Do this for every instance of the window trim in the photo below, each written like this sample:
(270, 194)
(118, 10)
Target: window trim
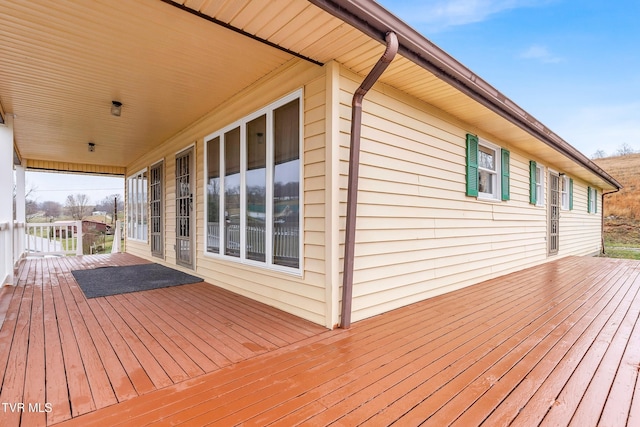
(536, 188)
(566, 188)
(495, 174)
(540, 185)
(268, 111)
(592, 200)
(502, 172)
(496, 196)
(137, 176)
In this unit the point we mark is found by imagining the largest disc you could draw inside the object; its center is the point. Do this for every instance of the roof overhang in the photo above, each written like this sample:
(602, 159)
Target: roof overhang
(372, 19)
(63, 63)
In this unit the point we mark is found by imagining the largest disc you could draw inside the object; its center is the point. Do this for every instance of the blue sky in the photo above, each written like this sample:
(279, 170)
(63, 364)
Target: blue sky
(572, 64)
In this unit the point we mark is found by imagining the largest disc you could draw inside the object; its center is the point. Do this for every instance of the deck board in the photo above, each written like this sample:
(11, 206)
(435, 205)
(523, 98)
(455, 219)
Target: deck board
(56, 394)
(79, 355)
(557, 344)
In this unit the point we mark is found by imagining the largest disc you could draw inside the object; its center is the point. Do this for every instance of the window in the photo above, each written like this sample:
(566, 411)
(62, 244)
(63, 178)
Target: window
(536, 184)
(567, 193)
(488, 170)
(592, 200)
(253, 190)
(137, 206)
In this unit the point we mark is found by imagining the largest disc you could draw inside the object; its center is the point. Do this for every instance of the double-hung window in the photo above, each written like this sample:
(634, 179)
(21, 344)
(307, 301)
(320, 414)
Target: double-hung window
(137, 206)
(592, 200)
(488, 170)
(536, 184)
(253, 188)
(567, 193)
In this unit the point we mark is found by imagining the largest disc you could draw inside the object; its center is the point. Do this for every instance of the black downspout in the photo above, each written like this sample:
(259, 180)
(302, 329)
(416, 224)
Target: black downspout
(354, 166)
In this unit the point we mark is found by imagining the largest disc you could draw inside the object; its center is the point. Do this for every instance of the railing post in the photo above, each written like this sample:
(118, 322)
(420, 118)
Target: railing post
(6, 200)
(115, 247)
(79, 237)
(21, 218)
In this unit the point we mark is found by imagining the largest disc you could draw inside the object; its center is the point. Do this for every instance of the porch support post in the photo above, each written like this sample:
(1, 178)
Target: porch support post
(117, 236)
(6, 201)
(21, 217)
(79, 244)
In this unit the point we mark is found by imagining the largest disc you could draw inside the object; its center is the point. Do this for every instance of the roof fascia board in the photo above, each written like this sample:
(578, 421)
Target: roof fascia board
(239, 31)
(375, 21)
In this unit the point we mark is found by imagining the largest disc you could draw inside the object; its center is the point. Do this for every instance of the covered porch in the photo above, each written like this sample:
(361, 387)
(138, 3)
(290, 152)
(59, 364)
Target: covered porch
(555, 344)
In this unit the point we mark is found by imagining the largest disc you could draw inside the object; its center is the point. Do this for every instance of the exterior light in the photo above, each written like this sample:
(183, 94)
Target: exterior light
(92, 147)
(116, 108)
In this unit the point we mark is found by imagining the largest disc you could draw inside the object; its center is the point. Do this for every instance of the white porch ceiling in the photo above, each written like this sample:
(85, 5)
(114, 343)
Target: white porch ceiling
(63, 62)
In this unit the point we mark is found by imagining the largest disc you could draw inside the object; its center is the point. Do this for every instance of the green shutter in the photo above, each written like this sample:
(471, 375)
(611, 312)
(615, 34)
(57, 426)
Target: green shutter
(505, 174)
(532, 182)
(472, 165)
(589, 199)
(570, 194)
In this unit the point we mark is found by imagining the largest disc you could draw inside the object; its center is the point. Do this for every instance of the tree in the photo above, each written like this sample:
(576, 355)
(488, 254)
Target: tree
(51, 209)
(77, 206)
(112, 204)
(625, 149)
(599, 155)
(31, 205)
(107, 204)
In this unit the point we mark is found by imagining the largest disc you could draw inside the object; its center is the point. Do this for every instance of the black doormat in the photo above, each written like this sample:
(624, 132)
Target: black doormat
(104, 281)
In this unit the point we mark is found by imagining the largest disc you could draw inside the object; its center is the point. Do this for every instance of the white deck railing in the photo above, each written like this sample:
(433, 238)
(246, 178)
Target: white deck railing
(286, 242)
(5, 253)
(54, 238)
(18, 242)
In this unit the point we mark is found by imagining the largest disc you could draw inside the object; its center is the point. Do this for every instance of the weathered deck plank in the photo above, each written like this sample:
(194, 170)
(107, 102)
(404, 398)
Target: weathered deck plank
(553, 345)
(475, 356)
(67, 355)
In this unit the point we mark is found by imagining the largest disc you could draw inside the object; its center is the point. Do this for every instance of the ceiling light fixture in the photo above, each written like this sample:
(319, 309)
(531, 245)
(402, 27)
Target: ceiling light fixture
(116, 108)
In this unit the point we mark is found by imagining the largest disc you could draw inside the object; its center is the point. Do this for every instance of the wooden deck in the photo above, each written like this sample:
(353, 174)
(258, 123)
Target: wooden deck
(556, 345)
(67, 355)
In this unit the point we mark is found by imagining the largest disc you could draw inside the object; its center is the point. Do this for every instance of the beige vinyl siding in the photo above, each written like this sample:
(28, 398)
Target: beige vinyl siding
(580, 231)
(418, 234)
(303, 295)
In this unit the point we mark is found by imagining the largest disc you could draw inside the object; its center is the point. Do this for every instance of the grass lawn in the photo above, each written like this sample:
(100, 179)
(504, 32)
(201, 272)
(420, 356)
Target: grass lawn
(622, 238)
(617, 252)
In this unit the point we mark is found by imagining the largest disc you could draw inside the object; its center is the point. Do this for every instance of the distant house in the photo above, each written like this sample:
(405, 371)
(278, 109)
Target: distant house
(64, 230)
(88, 226)
(91, 226)
(235, 131)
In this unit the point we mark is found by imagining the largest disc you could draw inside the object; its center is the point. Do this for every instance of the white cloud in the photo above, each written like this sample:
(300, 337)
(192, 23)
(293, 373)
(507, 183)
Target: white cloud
(540, 53)
(440, 14)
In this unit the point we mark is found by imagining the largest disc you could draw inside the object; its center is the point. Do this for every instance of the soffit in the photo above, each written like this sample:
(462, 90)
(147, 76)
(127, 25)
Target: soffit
(65, 62)
(300, 26)
(62, 63)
